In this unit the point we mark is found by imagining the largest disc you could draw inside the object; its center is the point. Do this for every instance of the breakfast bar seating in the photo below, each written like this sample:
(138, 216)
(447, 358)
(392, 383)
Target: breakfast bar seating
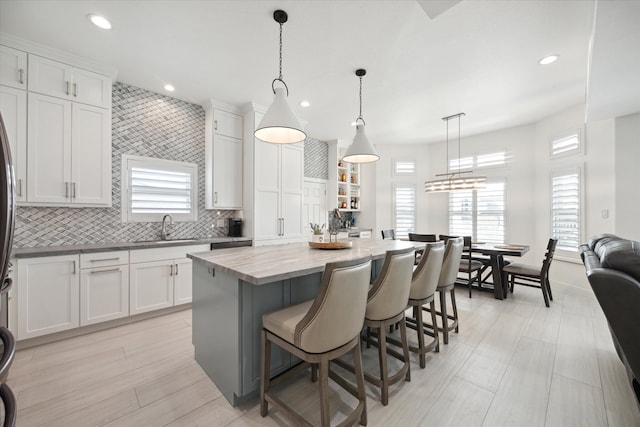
(318, 331)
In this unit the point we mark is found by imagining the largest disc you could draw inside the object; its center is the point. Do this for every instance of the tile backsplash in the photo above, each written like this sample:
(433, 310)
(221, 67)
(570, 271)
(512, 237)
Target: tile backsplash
(146, 124)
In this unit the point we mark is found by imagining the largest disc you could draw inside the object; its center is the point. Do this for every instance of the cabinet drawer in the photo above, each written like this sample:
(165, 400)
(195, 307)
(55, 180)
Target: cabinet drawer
(157, 254)
(102, 259)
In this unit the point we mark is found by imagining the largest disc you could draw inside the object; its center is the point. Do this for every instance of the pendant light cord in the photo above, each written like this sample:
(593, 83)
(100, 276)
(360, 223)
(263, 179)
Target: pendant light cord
(447, 168)
(280, 75)
(459, 155)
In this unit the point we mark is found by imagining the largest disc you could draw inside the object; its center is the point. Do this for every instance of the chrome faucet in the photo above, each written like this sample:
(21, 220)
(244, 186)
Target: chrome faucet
(163, 231)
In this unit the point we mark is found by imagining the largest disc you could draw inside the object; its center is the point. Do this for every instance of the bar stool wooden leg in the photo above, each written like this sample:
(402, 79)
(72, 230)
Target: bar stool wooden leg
(405, 347)
(266, 373)
(445, 318)
(455, 308)
(325, 417)
(359, 372)
(382, 358)
(434, 320)
(417, 314)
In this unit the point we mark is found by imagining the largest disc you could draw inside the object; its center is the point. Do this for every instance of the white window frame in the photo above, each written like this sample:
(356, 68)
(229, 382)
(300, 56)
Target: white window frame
(129, 161)
(473, 210)
(402, 233)
(569, 252)
(395, 168)
(470, 162)
(566, 135)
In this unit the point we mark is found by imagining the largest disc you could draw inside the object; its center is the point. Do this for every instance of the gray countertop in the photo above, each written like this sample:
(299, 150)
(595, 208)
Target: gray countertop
(116, 246)
(266, 264)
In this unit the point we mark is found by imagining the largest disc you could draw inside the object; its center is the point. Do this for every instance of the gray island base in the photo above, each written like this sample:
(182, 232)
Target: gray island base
(233, 288)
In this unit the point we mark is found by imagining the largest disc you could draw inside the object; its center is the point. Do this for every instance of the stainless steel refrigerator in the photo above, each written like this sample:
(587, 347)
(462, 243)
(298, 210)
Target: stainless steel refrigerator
(7, 219)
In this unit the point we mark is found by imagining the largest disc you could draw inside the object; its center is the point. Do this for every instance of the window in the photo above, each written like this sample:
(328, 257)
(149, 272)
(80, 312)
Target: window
(566, 144)
(565, 209)
(404, 168)
(152, 188)
(478, 213)
(479, 161)
(405, 210)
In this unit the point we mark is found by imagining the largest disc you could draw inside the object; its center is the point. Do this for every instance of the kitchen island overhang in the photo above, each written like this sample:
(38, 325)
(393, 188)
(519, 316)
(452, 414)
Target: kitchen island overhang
(233, 288)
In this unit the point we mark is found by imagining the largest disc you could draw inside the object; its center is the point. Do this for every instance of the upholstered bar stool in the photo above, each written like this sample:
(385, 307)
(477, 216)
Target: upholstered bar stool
(318, 331)
(386, 304)
(446, 283)
(423, 287)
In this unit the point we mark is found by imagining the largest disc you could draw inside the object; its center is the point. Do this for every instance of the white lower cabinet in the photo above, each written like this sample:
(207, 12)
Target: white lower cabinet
(48, 295)
(160, 277)
(151, 286)
(104, 286)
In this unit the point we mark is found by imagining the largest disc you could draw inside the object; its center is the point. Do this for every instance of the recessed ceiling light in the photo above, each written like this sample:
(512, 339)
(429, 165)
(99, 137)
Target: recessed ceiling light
(548, 60)
(100, 21)
(169, 88)
(305, 103)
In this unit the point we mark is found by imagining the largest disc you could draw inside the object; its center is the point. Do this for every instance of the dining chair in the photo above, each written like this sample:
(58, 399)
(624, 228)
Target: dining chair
(389, 234)
(386, 305)
(529, 275)
(421, 238)
(423, 287)
(318, 331)
(446, 283)
(469, 265)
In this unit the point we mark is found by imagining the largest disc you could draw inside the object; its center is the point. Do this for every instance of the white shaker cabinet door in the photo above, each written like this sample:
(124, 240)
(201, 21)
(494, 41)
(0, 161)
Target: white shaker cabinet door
(182, 281)
(227, 124)
(13, 105)
(91, 88)
(91, 155)
(227, 172)
(292, 182)
(50, 77)
(150, 286)
(49, 150)
(104, 294)
(13, 67)
(48, 295)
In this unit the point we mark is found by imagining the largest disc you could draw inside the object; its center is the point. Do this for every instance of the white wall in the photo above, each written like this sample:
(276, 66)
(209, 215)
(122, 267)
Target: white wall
(627, 149)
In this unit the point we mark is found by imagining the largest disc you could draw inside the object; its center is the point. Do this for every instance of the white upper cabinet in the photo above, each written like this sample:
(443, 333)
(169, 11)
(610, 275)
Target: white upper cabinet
(69, 153)
(57, 79)
(13, 106)
(223, 159)
(13, 67)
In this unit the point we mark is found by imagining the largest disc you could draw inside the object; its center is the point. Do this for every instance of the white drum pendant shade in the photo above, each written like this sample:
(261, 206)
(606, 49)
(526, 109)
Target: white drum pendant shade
(279, 125)
(360, 150)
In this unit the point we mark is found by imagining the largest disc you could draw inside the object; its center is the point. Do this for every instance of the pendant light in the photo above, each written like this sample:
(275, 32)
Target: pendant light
(279, 125)
(454, 181)
(360, 150)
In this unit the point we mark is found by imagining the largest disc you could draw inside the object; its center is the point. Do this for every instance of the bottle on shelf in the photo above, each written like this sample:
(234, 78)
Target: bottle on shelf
(343, 178)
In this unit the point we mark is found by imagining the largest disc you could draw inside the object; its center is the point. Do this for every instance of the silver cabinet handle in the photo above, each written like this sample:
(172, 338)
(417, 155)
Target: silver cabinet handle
(105, 259)
(21, 79)
(171, 270)
(66, 189)
(74, 268)
(75, 90)
(20, 187)
(176, 269)
(215, 125)
(104, 271)
(73, 190)
(68, 84)
(215, 197)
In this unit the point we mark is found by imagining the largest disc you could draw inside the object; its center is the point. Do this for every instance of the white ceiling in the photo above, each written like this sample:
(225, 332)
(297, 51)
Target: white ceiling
(480, 57)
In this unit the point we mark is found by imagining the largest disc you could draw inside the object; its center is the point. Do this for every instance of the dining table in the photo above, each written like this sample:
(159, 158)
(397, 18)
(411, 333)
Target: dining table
(496, 253)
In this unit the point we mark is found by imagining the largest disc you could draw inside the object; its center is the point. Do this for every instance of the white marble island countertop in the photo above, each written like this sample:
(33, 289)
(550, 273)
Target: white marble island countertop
(265, 264)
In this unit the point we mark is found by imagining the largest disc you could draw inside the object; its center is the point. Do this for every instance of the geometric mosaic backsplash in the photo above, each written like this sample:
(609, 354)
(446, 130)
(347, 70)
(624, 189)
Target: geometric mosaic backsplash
(145, 124)
(316, 158)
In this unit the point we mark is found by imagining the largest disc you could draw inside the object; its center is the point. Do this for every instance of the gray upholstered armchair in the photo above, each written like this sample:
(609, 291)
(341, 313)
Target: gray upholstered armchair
(613, 270)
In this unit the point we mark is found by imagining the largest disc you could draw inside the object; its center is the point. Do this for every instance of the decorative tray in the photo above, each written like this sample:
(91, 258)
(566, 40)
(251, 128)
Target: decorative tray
(340, 244)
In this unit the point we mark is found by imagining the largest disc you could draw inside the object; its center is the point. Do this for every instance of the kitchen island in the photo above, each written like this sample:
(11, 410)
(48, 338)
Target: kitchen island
(233, 288)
